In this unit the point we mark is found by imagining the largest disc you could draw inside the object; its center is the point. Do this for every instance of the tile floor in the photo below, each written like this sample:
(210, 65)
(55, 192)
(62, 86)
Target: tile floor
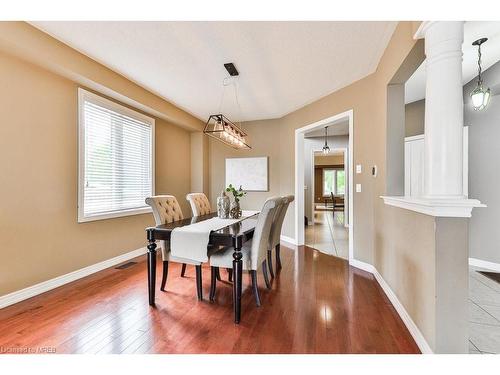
(328, 234)
(484, 314)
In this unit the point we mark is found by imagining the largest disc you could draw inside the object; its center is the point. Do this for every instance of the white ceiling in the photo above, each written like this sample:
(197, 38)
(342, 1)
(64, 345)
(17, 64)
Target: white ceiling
(340, 127)
(283, 65)
(473, 30)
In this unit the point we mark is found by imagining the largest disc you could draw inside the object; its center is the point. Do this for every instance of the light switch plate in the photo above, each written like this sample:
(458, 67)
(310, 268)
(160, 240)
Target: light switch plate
(358, 188)
(358, 168)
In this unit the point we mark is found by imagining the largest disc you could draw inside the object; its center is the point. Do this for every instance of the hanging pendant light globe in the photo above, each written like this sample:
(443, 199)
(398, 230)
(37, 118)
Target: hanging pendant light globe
(326, 149)
(480, 95)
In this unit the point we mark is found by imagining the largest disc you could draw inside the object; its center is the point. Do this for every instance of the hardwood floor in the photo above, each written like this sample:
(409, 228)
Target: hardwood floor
(317, 304)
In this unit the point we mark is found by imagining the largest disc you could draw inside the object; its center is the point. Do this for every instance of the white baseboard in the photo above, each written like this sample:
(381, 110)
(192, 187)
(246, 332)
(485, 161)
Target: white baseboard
(31, 291)
(288, 242)
(405, 317)
(484, 264)
(362, 265)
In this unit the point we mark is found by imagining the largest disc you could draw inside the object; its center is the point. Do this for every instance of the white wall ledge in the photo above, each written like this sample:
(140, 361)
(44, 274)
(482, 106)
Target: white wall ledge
(435, 207)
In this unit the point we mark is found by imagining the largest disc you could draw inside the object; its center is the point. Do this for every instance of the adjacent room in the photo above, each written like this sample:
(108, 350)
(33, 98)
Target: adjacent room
(326, 189)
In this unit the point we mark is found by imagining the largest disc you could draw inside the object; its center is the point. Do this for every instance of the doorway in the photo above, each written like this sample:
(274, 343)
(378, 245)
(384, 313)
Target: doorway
(324, 194)
(327, 229)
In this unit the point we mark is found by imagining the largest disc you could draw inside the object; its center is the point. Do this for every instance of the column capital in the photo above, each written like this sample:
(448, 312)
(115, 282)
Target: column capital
(425, 26)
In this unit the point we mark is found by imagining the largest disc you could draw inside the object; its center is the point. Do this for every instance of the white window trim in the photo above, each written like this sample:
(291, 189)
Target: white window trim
(335, 182)
(87, 95)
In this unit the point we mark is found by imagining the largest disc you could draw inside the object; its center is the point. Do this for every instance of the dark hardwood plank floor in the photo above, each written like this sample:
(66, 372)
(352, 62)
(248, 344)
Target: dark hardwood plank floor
(317, 304)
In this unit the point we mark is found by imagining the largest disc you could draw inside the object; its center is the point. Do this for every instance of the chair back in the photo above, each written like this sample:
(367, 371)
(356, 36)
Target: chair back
(262, 233)
(165, 209)
(199, 204)
(278, 220)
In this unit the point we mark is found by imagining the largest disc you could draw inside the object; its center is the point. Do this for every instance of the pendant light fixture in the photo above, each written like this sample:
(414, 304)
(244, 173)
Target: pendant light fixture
(480, 96)
(220, 127)
(326, 149)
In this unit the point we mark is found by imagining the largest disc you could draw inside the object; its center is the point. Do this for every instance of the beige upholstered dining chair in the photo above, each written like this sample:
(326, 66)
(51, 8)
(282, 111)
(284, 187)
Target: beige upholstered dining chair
(274, 239)
(254, 251)
(199, 204)
(166, 209)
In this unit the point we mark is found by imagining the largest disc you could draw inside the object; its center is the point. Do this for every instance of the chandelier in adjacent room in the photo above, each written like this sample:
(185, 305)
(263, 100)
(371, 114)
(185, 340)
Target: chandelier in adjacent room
(480, 95)
(326, 149)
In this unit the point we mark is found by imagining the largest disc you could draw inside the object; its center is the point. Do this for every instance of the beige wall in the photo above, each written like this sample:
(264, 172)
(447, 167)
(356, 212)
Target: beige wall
(264, 139)
(199, 163)
(329, 160)
(414, 118)
(400, 244)
(39, 234)
(25, 41)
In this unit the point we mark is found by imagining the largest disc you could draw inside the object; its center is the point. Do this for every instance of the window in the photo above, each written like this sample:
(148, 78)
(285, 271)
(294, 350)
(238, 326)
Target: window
(333, 182)
(116, 165)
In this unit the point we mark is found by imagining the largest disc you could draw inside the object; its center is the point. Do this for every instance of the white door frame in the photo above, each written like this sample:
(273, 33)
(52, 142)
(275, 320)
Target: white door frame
(313, 184)
(299, 177)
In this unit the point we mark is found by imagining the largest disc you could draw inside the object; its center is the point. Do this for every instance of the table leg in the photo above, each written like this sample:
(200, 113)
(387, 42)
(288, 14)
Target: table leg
(151, 268)
(237, 279)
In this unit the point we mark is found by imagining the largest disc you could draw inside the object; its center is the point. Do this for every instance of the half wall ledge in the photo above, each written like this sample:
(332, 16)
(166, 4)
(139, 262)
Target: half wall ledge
(435, 207)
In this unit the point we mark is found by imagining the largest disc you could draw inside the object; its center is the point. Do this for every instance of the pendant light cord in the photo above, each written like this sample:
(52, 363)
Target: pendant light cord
(238, 104)
(479, 70)
(225, 83)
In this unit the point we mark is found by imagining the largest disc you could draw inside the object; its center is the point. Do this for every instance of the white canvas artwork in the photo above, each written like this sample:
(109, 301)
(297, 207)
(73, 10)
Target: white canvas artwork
(250, 173)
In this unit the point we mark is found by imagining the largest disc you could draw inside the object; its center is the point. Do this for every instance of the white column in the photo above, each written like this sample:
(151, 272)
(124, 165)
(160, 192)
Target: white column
(443, 110)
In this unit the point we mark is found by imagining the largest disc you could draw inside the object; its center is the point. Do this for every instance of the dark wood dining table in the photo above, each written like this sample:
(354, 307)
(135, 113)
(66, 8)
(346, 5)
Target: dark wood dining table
(232, 236)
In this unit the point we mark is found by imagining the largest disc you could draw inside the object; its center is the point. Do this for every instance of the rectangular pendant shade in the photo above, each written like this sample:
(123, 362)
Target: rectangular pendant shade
(221, 128)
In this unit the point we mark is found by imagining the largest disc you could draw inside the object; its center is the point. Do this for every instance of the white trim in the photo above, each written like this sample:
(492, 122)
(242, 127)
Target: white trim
(87, 95)
(361, 265)
(31, 291)
(299, 171)
(415, 138)
(405, 317)
(484, 264)
(424, 26)
(288, 242)
(435, 207)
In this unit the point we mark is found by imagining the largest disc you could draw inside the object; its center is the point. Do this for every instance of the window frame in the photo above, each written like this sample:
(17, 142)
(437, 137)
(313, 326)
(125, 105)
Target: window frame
(84, 95)
(335, 187)
(334, 181)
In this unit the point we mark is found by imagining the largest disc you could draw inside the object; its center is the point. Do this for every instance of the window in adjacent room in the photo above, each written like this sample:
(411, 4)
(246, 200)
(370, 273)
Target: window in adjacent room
(116, 165)
(333, 182)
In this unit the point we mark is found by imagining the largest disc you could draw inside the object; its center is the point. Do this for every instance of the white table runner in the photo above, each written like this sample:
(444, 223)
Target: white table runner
(191, 241)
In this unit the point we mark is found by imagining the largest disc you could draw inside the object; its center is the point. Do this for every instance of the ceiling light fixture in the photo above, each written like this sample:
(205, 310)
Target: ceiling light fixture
(326, 149)
(220, 127)
(480, 96)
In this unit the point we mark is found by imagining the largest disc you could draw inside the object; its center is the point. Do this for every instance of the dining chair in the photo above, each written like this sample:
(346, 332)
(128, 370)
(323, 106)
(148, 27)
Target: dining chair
(166, 209)
(199, 204)
(254, 251)
(274, 242)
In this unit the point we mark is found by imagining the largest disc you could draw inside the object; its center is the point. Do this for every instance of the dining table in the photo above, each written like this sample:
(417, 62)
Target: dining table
(232, 236)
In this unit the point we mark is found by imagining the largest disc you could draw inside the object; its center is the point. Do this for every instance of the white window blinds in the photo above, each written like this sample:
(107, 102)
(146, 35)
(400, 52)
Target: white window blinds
(116, 159)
